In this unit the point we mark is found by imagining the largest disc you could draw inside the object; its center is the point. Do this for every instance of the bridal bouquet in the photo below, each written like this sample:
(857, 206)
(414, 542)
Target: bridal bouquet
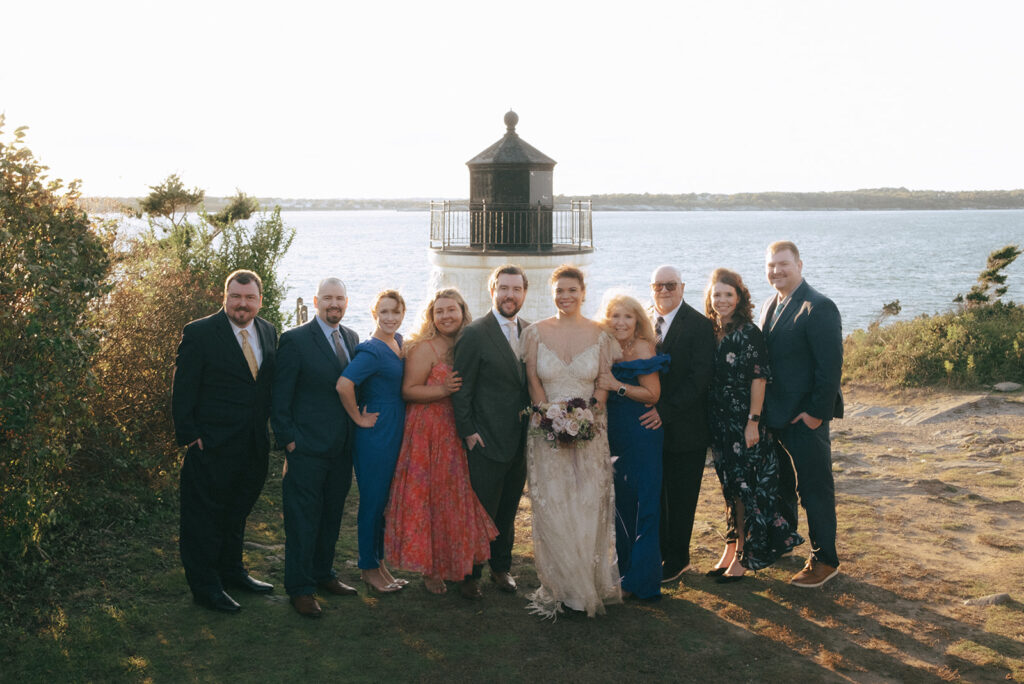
(564, 422)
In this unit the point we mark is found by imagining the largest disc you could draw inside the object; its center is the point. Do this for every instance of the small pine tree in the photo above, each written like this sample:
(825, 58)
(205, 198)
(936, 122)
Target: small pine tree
(991, 285)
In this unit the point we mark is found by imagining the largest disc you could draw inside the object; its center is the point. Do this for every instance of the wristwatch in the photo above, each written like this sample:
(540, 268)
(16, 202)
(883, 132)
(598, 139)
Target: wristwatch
(621, 391)
(753, 417)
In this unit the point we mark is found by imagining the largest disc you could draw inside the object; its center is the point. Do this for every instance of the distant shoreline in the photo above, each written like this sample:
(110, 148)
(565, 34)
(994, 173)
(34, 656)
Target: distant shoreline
(878, 199)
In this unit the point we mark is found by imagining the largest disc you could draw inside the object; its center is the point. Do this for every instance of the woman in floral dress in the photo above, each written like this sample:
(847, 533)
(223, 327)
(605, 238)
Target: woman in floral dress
(435, 523)
(742, 448)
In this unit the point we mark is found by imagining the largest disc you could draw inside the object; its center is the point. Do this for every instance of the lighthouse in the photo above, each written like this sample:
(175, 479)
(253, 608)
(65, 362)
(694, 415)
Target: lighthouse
(511, 217)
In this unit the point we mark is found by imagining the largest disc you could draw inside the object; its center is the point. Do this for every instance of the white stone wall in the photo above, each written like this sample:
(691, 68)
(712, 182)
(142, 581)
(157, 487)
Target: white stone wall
(469, 273)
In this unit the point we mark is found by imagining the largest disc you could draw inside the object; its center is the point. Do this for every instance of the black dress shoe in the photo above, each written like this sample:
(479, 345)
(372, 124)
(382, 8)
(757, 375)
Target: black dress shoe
(729, 579)
(715, 572)
(217, 600)
(249, 583)
(505, 582)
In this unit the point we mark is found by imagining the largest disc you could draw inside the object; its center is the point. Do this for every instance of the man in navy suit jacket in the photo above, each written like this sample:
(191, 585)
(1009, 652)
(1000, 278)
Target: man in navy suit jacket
(310, 422)
(221, 401)
(803, 331)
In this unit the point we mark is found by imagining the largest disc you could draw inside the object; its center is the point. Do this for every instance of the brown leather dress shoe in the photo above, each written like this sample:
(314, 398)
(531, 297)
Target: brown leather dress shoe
(814, 574)
(505, 582)
(337, 587)
(470, 589)
(306, 606)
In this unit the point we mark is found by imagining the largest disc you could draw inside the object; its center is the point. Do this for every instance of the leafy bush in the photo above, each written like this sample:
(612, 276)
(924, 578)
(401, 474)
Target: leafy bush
(982, 342)
(54, 262)
(981, 345)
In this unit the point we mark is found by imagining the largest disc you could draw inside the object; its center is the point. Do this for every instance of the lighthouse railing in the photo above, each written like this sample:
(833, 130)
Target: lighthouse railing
(481, 227)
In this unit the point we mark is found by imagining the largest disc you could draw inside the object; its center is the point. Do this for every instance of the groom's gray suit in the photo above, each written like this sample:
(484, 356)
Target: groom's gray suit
(490, 402)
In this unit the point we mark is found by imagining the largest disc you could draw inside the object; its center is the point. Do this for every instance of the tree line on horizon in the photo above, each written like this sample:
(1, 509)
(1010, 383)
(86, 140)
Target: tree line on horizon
(868, 199)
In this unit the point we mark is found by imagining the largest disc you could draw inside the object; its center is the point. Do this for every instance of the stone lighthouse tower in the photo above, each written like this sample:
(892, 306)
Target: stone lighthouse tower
(511, 217)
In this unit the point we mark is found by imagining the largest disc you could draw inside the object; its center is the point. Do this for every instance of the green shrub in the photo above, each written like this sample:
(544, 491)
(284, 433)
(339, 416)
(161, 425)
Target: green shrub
(978, 346)
(53, 261)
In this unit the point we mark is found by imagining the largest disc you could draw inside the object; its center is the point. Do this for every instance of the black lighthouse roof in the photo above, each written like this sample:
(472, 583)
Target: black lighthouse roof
(512, 149)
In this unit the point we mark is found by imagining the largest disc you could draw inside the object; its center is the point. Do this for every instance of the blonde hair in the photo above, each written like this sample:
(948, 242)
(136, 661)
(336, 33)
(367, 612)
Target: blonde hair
(644, 329)
(427, 329)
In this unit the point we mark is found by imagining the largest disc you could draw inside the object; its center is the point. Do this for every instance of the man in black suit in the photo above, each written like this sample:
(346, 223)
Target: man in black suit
(689, 339)
(488, 417)
(221, 402)
(309, 420)
(803, 331)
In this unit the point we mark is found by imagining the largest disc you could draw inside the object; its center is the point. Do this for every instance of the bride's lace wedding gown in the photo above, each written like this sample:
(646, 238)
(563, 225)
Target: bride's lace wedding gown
(571, 493)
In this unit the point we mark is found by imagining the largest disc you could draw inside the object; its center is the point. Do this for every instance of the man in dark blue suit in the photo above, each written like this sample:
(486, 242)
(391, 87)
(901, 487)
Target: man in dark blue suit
(803, 331)
(221, 401)
(309, 420)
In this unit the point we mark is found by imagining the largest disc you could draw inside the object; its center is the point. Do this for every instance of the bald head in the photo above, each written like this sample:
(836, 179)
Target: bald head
(331, 301)
(666, 288)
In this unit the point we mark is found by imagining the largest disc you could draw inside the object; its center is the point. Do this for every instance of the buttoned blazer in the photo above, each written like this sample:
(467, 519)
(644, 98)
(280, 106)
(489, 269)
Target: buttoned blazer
(493, 392)
(306, 408)
(805, 350)
(690, 342)
(214, 396)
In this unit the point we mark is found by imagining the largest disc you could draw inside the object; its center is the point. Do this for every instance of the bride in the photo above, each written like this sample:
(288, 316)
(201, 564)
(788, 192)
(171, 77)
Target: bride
(571, 492)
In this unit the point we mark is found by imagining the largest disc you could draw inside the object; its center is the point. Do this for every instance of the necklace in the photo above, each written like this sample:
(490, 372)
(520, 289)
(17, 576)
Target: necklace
(629, 346)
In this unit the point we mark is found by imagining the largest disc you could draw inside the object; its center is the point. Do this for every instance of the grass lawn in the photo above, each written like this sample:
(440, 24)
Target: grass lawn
(120, 609)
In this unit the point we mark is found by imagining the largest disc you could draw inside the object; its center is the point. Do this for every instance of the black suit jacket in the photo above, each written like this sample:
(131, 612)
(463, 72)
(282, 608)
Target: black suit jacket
(493, 392)
(214, 396)
(306, 408)
(805, 349)
(690, 341)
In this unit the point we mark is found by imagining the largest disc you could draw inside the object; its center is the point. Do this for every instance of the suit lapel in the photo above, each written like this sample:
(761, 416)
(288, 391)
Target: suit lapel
(796, 303)
(234, 350)
(500, 342)
(320, 342)
(677, 325)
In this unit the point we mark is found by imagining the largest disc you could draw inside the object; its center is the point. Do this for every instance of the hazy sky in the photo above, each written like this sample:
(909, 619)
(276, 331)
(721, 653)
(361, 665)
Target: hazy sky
(390, 99)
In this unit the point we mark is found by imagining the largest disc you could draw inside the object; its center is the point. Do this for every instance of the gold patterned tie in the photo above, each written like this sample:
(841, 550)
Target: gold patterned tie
(250, 357)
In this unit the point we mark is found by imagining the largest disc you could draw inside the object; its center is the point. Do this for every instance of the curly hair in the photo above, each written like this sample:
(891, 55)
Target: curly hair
(567, 271)
(744, 306)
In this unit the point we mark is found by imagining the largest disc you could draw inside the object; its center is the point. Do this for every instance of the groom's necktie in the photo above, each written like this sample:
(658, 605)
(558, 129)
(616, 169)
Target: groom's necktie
(512, 333)
(339, 349)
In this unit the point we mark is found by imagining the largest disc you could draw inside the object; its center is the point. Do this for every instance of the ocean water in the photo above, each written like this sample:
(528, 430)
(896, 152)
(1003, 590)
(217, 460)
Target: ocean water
(861, 260)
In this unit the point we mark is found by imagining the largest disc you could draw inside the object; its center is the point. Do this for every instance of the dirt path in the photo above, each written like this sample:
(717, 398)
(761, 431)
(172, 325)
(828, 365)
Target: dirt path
(930, 489)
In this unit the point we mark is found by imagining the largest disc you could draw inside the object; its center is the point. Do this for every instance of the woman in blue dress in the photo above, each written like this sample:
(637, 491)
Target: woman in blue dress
(379, 415)
(633, 384)
(745, 460)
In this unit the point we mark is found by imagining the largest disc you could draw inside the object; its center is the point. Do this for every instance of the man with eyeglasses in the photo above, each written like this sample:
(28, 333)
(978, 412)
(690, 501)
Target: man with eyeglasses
(688, 338)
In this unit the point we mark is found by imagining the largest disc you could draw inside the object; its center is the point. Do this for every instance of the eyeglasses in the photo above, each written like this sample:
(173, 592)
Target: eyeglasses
(658, 287)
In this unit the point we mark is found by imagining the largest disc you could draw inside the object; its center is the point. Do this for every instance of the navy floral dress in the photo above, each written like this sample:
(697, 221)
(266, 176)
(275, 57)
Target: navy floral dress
(748, 474)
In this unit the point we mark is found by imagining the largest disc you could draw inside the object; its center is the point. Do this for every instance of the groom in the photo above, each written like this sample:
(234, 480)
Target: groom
(487, 417)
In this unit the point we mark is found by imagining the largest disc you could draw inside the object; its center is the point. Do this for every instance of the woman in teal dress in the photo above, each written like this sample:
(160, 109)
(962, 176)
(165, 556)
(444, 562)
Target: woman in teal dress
(379, 415)
(633, 384)
(757, 534)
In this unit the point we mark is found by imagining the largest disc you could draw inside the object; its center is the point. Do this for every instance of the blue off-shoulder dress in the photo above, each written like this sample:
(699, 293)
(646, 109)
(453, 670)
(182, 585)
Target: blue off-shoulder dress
(637, 455)
(377, 373)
